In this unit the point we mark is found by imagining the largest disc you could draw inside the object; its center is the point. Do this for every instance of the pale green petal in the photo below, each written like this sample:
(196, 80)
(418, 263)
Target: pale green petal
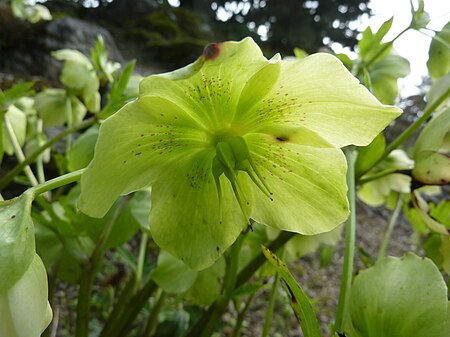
(186, 218)
(16, 239)
(210, 88)
(307, 184)
(134, 145)
(28, 303)
(172, 275)
(319, 93)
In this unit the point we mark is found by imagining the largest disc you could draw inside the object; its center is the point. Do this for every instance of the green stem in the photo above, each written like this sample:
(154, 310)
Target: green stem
(152, 322)
(119, 307)
(212, 315)
(32, 157)
(271, 306)
(382, 174)
(391, 225)
(349, 253)
(39, 159)
(232, 265)
(18, 152)
(241, 316)
(136, 303)
(88, 277)
(141, 260)
(56, 182)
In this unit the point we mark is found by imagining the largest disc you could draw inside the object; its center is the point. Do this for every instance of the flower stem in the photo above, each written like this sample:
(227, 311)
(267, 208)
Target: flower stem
(391, 225)
(271, 306)
(152, 322)
(212, 315)
(22, 164)
(141, 260)
(56, 182)
(241, 316)
(88, 277)
(18, 152)
(350, 233)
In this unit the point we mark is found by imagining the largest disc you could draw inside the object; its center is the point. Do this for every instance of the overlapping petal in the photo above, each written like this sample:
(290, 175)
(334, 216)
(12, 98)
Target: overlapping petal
(187, 218)
(307, 184)
(133, 147)
(320, 94)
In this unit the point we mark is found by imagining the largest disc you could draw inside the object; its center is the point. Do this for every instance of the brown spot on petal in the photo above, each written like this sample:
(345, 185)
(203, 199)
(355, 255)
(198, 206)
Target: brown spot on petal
(282, 138)
(212, 51)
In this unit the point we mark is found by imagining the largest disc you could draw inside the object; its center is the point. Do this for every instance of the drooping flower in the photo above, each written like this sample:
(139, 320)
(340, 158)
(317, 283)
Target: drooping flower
(24, 308)
(235, 136)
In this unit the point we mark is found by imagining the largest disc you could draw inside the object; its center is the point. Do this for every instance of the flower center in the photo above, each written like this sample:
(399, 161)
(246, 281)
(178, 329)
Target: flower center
(232, 156)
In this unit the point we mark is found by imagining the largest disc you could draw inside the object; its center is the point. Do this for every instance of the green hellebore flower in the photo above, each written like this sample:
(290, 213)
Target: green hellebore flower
(235, 136)
(24, 308)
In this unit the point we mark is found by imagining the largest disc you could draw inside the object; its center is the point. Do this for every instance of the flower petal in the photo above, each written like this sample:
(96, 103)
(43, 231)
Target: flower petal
(307, 184)
(28, 298)
(319, 93)
(133, 147)
(186, 217)
(209, 89)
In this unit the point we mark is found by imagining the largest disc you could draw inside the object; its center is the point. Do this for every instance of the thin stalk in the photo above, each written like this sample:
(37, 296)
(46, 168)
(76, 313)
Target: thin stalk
(39, 159)
(136, 304)
(88, 277)
(32, 157)
(349, 253)
(271, 306)
(69, 125)
(152, 322)
(213, 314)
(119, 307)
(241, 316)
(56, 182)
(381, 174)
(391, 225)
(141, 259)
(18, 152)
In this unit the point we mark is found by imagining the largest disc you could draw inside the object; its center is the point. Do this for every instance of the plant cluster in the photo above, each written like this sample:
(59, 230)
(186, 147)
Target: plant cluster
(176, 193)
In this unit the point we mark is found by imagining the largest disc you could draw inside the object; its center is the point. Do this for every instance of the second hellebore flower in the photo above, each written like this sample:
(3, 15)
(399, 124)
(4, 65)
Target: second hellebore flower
(235, 136)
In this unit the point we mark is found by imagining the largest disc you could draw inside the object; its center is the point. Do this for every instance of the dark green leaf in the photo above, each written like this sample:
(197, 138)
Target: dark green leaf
(299, 301)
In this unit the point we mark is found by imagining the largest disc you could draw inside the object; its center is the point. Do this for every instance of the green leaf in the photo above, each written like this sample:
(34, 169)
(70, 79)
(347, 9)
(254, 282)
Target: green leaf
(439, 53)
(384, 75)
(370, 44)
(399, 297)
(82, 150)
(432, 152)
(17, 247)
(439, 90)
(368, 155)
(11, 95)
(298, 299)
(172, 275)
